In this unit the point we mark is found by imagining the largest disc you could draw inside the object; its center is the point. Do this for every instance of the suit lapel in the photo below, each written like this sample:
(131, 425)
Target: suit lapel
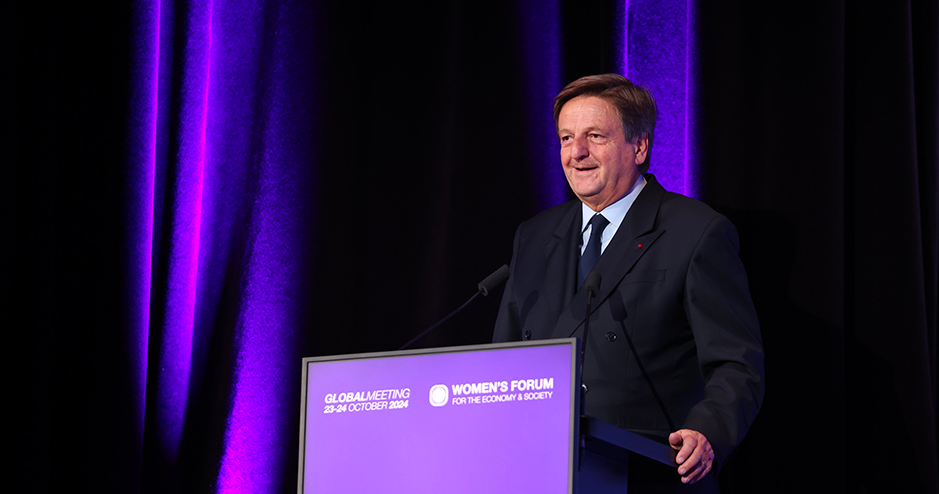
(560, 253)
(619, 257)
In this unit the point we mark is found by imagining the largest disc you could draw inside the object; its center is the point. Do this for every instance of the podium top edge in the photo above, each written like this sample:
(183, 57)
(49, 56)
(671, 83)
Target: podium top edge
(443, 350)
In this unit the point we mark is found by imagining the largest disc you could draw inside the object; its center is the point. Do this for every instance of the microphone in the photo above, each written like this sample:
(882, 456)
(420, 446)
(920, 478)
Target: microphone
(495, 279)
(592, 287)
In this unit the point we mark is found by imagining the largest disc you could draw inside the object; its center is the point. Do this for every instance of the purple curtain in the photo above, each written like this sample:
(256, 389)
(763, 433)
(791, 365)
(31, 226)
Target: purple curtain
(221, 169)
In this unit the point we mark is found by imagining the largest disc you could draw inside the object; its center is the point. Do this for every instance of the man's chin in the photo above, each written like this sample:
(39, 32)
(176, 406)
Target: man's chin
(586, 191)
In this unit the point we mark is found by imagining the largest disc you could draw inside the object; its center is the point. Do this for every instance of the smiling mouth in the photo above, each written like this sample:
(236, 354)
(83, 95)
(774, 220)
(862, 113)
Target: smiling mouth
(585, 168)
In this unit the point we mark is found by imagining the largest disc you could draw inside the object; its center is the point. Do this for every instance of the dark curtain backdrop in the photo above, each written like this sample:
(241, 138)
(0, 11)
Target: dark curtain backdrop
(374, 163)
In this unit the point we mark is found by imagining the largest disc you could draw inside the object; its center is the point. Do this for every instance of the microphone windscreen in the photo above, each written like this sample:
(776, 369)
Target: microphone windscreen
(592, 284)
(493, 280)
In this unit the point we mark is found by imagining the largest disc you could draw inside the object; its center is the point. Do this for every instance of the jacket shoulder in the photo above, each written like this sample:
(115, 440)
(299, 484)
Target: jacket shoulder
(686, 213)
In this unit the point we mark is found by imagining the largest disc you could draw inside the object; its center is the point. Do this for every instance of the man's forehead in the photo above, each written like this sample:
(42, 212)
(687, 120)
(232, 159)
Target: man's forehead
(586, 113)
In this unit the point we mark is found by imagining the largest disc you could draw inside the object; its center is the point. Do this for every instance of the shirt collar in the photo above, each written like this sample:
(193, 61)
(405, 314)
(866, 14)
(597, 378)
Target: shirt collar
(614, 213)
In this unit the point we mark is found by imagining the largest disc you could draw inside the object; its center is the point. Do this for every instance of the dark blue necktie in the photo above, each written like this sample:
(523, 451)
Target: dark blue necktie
(592, 253)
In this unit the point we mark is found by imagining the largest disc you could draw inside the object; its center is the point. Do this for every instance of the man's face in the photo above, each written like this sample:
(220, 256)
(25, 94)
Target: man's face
(600, 165)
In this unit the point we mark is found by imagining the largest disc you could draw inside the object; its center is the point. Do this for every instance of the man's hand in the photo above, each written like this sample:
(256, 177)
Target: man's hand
(695, 455)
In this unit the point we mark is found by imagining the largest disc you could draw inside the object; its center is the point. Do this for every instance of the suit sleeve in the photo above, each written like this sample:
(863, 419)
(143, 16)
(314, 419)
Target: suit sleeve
(727, 337)
(508, 321)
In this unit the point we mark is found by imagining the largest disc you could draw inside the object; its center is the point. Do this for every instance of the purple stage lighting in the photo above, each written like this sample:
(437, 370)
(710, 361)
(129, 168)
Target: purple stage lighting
(540, 51)
(657, 45)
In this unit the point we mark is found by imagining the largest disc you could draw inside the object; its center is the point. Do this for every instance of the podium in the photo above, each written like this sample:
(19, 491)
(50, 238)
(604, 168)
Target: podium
(484, 418)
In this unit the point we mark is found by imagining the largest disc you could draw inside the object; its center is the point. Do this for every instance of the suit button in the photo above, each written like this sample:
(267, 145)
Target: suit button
(527, 334)
(611, 337)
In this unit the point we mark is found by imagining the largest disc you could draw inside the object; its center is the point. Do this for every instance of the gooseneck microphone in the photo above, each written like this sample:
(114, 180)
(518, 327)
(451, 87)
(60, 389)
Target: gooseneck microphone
(592, 287)
(495, 279)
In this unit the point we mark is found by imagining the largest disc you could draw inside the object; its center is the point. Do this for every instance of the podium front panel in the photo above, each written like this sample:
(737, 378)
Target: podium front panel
(487, 418)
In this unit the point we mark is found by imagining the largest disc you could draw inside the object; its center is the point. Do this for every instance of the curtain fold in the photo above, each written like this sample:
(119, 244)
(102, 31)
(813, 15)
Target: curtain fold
(219, 179)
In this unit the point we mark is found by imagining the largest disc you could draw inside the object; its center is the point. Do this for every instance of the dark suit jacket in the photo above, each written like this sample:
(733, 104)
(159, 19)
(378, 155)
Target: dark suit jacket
(672, 281)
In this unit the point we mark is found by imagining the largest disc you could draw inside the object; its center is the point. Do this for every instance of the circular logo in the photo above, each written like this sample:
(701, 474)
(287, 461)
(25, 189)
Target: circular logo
(439, 395)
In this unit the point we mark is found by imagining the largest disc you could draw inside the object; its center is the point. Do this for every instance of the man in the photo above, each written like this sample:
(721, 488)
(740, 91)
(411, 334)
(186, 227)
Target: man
(672, 287)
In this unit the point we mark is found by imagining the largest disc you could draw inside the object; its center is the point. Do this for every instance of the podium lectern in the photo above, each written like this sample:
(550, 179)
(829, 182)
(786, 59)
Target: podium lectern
(485, 418)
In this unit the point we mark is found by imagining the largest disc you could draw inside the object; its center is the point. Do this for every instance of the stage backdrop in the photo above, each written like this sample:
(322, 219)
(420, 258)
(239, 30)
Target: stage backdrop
(201, 193)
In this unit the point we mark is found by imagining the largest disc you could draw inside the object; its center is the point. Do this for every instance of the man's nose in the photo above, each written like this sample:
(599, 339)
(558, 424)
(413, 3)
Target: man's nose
(579, 149)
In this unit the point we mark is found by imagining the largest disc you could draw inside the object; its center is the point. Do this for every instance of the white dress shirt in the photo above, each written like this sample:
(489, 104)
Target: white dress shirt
(614, 213)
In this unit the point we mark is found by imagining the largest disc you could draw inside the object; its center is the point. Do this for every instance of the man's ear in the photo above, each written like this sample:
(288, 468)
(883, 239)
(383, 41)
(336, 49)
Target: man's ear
(642, 148)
